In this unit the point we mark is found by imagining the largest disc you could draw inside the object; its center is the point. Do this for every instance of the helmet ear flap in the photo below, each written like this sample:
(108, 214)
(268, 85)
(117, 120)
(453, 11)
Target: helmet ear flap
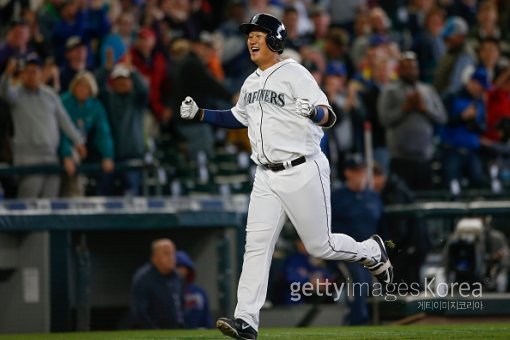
(274, 44)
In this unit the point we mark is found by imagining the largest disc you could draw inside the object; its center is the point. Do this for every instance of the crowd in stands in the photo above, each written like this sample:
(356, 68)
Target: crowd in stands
(101, 82)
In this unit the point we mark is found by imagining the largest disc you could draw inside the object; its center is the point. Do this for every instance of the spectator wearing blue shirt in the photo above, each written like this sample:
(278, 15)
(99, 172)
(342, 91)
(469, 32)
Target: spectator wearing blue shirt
(466, 123)
(196, 302)
(356, 210)
(157, 290)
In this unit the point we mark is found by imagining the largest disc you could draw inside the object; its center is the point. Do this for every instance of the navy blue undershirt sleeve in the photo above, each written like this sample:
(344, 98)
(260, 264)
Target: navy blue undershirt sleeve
(222, 118)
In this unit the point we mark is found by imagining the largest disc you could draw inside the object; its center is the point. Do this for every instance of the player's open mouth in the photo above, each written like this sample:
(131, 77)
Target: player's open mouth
(254, 50)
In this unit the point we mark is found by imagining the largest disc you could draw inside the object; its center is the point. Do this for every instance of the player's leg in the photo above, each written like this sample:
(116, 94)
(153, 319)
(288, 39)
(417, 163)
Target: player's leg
(266, 217)
(305, 194)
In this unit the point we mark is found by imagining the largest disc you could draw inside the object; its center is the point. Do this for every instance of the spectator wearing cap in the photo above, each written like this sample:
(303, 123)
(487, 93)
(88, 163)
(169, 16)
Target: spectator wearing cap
(38, 117)
(124, 95)
(76, 61)
(461, 136)
(16, 43)
(196, 302)
(88, 21)
(448, 74)
(343, 97)
(410, 111)
(89, 115)
(357, 210)
(151, 64)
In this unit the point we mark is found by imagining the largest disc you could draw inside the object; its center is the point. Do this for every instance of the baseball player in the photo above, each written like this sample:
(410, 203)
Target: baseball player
(285, 112)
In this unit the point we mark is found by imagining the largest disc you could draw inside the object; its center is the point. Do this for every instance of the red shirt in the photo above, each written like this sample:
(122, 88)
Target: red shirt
(498, 106)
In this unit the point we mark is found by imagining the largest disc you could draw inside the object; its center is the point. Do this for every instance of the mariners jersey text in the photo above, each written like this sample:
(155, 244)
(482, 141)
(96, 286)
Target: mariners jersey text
(268, 96)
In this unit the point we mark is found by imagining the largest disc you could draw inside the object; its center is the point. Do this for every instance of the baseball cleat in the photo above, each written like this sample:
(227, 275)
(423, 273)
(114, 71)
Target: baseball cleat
(382, 270)
(236, 328)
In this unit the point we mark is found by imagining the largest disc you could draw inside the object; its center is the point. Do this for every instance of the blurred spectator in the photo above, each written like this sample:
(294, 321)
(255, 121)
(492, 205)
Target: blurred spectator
(87, 20)
(416, 18)
(37, 41)
(178, 17)
(76, 61)
(235, 56)
(122, 37)
(37, 115)
(196, 302)
(381, 34)
(10, 9)
(151, 64)
(192, 77)
(498, 108)
(254, 7)
(157, 291)
(48, 16)
(407, 232)
(336, 47)
(16, 43)
(321, 20)
(299, 267)
(89, 116)
(369, 96)
(487, 26)
(409, 110)
(461, 136)
(344, 137)
(429, 45)
(295, 39)
(125, 101)
(343, 13)
(448, 76)
(357, 210)
(489, 57)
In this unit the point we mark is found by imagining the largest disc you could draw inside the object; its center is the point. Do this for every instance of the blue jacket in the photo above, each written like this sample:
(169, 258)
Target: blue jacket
(460, 133)
(357, 214)
(88, 117)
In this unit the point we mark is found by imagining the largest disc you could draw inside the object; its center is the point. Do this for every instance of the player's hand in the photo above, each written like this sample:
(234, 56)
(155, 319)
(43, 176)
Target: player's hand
(304, 108)
(189, 108)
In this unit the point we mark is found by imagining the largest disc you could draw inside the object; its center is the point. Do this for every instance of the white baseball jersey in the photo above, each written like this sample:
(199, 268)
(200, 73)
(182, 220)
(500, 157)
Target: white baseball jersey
(267, 105)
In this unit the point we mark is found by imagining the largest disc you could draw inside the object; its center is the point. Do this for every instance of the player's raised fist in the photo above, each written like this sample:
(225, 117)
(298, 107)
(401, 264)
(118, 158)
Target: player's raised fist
(189, 108)
(304, 108)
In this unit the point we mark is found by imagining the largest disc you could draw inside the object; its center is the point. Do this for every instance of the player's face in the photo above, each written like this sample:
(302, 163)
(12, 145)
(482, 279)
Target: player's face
(260, 54)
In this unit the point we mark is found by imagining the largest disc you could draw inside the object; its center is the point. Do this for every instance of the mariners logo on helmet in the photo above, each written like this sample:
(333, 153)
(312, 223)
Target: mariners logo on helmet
(276, 33)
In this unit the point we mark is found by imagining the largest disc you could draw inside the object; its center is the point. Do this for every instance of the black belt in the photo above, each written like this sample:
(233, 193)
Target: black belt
(280, 166)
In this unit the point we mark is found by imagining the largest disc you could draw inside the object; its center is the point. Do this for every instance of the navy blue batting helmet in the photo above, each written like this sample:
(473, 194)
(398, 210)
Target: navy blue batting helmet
(276, 33)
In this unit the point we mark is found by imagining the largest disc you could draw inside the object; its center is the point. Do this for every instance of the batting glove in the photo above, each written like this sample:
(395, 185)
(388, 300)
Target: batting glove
(189, 108)
(304, 108)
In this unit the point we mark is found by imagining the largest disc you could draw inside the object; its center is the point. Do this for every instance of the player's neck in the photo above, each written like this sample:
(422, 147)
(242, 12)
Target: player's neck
(270, 62)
